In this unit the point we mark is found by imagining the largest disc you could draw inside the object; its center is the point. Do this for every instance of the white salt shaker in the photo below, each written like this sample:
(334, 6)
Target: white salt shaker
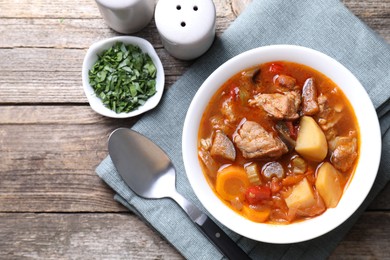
(126, 16)
(186, 27)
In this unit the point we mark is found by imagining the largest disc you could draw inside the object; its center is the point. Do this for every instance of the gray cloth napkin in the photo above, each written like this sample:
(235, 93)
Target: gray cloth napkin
(326, 26)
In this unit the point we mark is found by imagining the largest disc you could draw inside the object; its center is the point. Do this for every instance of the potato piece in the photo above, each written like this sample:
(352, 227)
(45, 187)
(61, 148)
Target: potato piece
(302, 196)
(328, 184)
(311, 141)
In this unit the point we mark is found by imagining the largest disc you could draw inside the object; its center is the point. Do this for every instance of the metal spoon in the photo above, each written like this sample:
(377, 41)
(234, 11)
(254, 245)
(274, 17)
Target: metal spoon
(149, 172)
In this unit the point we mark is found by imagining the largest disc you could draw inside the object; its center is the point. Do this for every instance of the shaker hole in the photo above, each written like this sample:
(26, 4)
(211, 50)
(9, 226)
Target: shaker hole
(178, 7)
(183, 24)
(195, 8)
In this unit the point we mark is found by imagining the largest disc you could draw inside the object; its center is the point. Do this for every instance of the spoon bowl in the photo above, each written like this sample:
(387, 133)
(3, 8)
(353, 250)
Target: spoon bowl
(145, 168)
(149, 173)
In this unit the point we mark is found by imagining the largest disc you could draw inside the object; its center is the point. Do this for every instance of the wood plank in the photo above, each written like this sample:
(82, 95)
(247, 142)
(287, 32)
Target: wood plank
(80, 236)
(49, 9)
(72, 33)
(56, 115)
(50, 168)
(124, 236)
(58, 33)
(46, 9)
(56, 173)
(49, 75)
(46, 68)
(49, 29)
(368, 239)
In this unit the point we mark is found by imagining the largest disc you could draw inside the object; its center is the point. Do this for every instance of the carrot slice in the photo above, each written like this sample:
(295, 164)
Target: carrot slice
(292, 180)
(232, 182)
(256, 215)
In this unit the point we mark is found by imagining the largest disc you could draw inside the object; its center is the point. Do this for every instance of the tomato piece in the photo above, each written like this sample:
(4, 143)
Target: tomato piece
(256, 194)
(276, 68)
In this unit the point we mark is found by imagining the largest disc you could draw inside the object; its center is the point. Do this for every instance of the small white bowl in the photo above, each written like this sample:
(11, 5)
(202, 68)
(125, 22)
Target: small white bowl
(362, 180)
(92, 56)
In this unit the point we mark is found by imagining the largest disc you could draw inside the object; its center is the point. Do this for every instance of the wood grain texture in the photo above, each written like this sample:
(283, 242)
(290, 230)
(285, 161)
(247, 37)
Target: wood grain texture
(80, 236)
(51, 75)
(46, 46)
(52, 204)
(369, 239)
(50, 168)
(375, 13)
(124, 236)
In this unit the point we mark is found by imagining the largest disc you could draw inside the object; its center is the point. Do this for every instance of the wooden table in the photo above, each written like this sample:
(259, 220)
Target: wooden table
(52, 204)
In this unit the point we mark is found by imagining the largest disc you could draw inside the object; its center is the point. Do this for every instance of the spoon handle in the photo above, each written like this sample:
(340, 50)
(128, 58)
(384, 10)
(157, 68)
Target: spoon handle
(218, 237)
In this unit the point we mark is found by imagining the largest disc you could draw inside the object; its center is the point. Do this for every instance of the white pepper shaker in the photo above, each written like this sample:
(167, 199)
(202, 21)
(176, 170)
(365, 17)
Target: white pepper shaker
(186, 27)
(126, 16)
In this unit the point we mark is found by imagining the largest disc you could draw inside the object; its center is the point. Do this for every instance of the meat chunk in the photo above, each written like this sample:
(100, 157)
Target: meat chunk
(278, 105)
(222, 147)
(328, 117)
(255, 142)
(309, 98)
(344, 151)
(285, 82)
(209, 162)
(227, 119)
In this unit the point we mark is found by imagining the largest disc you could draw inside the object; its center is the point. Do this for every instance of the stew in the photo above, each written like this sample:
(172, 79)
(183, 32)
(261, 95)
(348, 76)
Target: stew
(279, 142)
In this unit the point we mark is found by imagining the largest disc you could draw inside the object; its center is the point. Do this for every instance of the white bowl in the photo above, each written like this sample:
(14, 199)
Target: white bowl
(362, 180)
(92, 56)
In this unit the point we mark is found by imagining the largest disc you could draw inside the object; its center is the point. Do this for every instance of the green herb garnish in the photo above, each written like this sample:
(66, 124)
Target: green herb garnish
(123, 77)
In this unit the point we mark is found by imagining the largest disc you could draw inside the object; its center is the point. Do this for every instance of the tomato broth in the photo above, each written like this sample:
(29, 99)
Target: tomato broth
(278, 142)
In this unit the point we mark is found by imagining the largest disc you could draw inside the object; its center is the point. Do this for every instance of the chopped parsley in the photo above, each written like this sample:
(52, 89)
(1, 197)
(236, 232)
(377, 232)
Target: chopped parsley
(123, 77)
